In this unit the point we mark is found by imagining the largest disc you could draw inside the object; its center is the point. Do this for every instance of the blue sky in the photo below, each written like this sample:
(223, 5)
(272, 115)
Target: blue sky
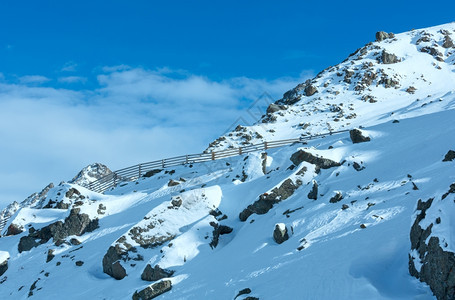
(122, 82)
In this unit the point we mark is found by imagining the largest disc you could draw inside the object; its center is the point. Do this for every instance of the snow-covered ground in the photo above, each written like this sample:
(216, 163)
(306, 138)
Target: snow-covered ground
(354, 248)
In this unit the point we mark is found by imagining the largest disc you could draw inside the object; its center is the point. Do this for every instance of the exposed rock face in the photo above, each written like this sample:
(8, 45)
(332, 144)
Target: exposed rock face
(74, 224)
(267, 200)
(13, 229)
(152, 172)
(217, 231)
(153, 291)
(280, 234)
(320, 162)
(111, 264)
(357, 136)
(381, 35)
(156, 273)
(450, 156)
(90, 173)
(432, 264)
(388, 58)
(313, 194)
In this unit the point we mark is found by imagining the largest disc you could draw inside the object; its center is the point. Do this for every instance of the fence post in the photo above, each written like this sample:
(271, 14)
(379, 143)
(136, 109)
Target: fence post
(265, 145)
(140, 171)
(240, 151)
(213, 155)
(186, 159)
(162, 163)
(115, 177)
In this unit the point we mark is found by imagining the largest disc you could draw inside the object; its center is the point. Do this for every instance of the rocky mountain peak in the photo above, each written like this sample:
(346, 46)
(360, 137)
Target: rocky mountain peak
(90, 173)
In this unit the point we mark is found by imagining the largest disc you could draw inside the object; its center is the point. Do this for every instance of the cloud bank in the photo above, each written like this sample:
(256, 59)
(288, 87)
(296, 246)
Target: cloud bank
(134, 115)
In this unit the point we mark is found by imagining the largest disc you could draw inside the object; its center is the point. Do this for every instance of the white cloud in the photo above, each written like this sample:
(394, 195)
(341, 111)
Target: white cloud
(136, 115)
(33, 79)
(72, 79)
(69, 67)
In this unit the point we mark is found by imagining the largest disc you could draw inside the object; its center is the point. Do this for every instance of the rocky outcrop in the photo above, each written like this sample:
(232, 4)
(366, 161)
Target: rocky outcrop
(75, 224)
(448, 43)
(274, 108)
(381, 35)
(450, 156)
(428, 261)
(156, 273)
(153, 291)
(152, 172)
(13, 229)
(267, 200)
(310, 90)
(388, 58)
(313, 194)
(4, 256)
(217, 231)
(90, 173)
(280, 233)
(357, 136)
(320, 162)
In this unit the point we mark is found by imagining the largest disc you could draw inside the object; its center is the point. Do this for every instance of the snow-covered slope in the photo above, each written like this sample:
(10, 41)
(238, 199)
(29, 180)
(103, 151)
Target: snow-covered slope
(208, 231)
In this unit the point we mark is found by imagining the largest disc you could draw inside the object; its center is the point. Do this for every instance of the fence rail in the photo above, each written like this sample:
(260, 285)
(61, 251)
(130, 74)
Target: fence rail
(137, 171)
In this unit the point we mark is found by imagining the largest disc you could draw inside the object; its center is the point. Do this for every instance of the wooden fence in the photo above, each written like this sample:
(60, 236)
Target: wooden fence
(137, 171)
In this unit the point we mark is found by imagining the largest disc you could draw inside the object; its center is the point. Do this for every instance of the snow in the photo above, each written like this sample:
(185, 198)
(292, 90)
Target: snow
(333, 252)
(3, 256)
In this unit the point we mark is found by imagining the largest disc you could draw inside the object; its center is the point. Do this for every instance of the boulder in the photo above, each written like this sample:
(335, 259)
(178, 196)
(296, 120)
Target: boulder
(153, 290)
(338, 197)
(313, 194)
(310, 90)
(357, 136)
(152, 172)
(274, 108)
(111, 264)
(173, 183)
(448, 43)
(280, 234)
(450, 156)
(388, 58)
(156, 273)
(320, 162)
(243, 292)
(13, 229)
(267, 200)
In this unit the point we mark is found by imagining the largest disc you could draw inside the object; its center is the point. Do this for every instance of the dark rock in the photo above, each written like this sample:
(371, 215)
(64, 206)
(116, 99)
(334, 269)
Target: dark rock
(243, 292)
(156, 273)
(3, 266)
(358, 137)
(13, 229)
(338, 197)
(71, 192)
(274, 108)
(310, 90)
(101, 209)
(313, 194)
(448, 43)
(26, 243)
(75, 242)
(176, 202)
(344, 206)
(280, 233)
(251, 298)
(152, 172)
(388, 58)
(153, 290)
(173, 183)
(450, 156)
(363, 226)
(79, 263)
(320, 162)
(217, 231)
(411, 90)
(111, 264)
(267, 200)
(50, 255)
(357, 166)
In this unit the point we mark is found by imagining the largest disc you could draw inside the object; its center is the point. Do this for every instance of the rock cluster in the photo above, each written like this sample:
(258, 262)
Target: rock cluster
(153, 290)
(357, 136)
(156, 273)
(381, 35)
(280, 233)
(320, 162)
